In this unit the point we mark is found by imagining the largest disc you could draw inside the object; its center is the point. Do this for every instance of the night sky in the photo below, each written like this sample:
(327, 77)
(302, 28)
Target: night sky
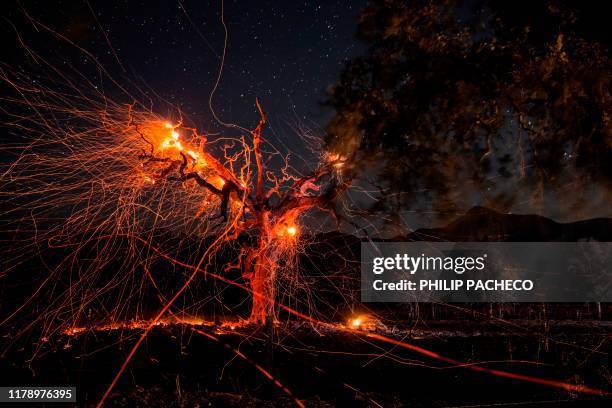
(285, 52)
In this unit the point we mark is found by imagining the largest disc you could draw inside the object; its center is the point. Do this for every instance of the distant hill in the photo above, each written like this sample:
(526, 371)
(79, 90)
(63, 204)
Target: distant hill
(483, 224)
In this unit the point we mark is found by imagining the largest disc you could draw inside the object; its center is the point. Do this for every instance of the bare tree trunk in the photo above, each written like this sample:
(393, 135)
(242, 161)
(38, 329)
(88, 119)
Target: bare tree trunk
(262, 284)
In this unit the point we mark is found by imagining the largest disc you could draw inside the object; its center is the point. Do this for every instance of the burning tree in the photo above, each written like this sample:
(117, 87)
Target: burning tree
(106, 182)
(255, 198)
(81, 172)
(84, 169)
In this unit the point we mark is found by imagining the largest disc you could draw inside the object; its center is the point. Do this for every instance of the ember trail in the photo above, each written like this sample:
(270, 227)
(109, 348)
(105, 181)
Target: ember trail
(130, 176)
(246, 196)
(118, 171)
(141, 235)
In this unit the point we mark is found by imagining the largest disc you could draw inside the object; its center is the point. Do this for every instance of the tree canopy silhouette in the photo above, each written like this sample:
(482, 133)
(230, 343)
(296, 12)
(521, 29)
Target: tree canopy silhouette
(478, 101)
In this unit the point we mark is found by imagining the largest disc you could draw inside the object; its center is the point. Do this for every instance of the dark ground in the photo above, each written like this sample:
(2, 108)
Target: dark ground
(177, 367)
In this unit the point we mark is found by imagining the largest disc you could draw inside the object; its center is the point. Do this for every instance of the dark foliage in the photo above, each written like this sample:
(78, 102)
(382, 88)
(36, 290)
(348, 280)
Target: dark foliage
(478, 100)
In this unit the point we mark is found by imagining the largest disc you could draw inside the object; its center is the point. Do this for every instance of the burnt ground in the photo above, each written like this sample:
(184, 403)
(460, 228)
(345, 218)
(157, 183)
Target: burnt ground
(177, 367)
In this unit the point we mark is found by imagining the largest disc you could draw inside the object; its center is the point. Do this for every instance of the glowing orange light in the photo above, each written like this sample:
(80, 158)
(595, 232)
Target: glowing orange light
(362, 322)
(75, 330)
(193, 155)
(337, 160)
(292, 230)
(355, 323)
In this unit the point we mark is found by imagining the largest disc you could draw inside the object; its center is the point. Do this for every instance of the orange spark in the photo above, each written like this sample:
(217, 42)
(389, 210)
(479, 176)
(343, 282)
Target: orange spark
(363, 322)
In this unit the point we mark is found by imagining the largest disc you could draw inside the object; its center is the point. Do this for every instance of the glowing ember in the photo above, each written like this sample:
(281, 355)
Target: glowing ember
(115, 172)
(355, 323)
(364, 322)
(75, 330)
